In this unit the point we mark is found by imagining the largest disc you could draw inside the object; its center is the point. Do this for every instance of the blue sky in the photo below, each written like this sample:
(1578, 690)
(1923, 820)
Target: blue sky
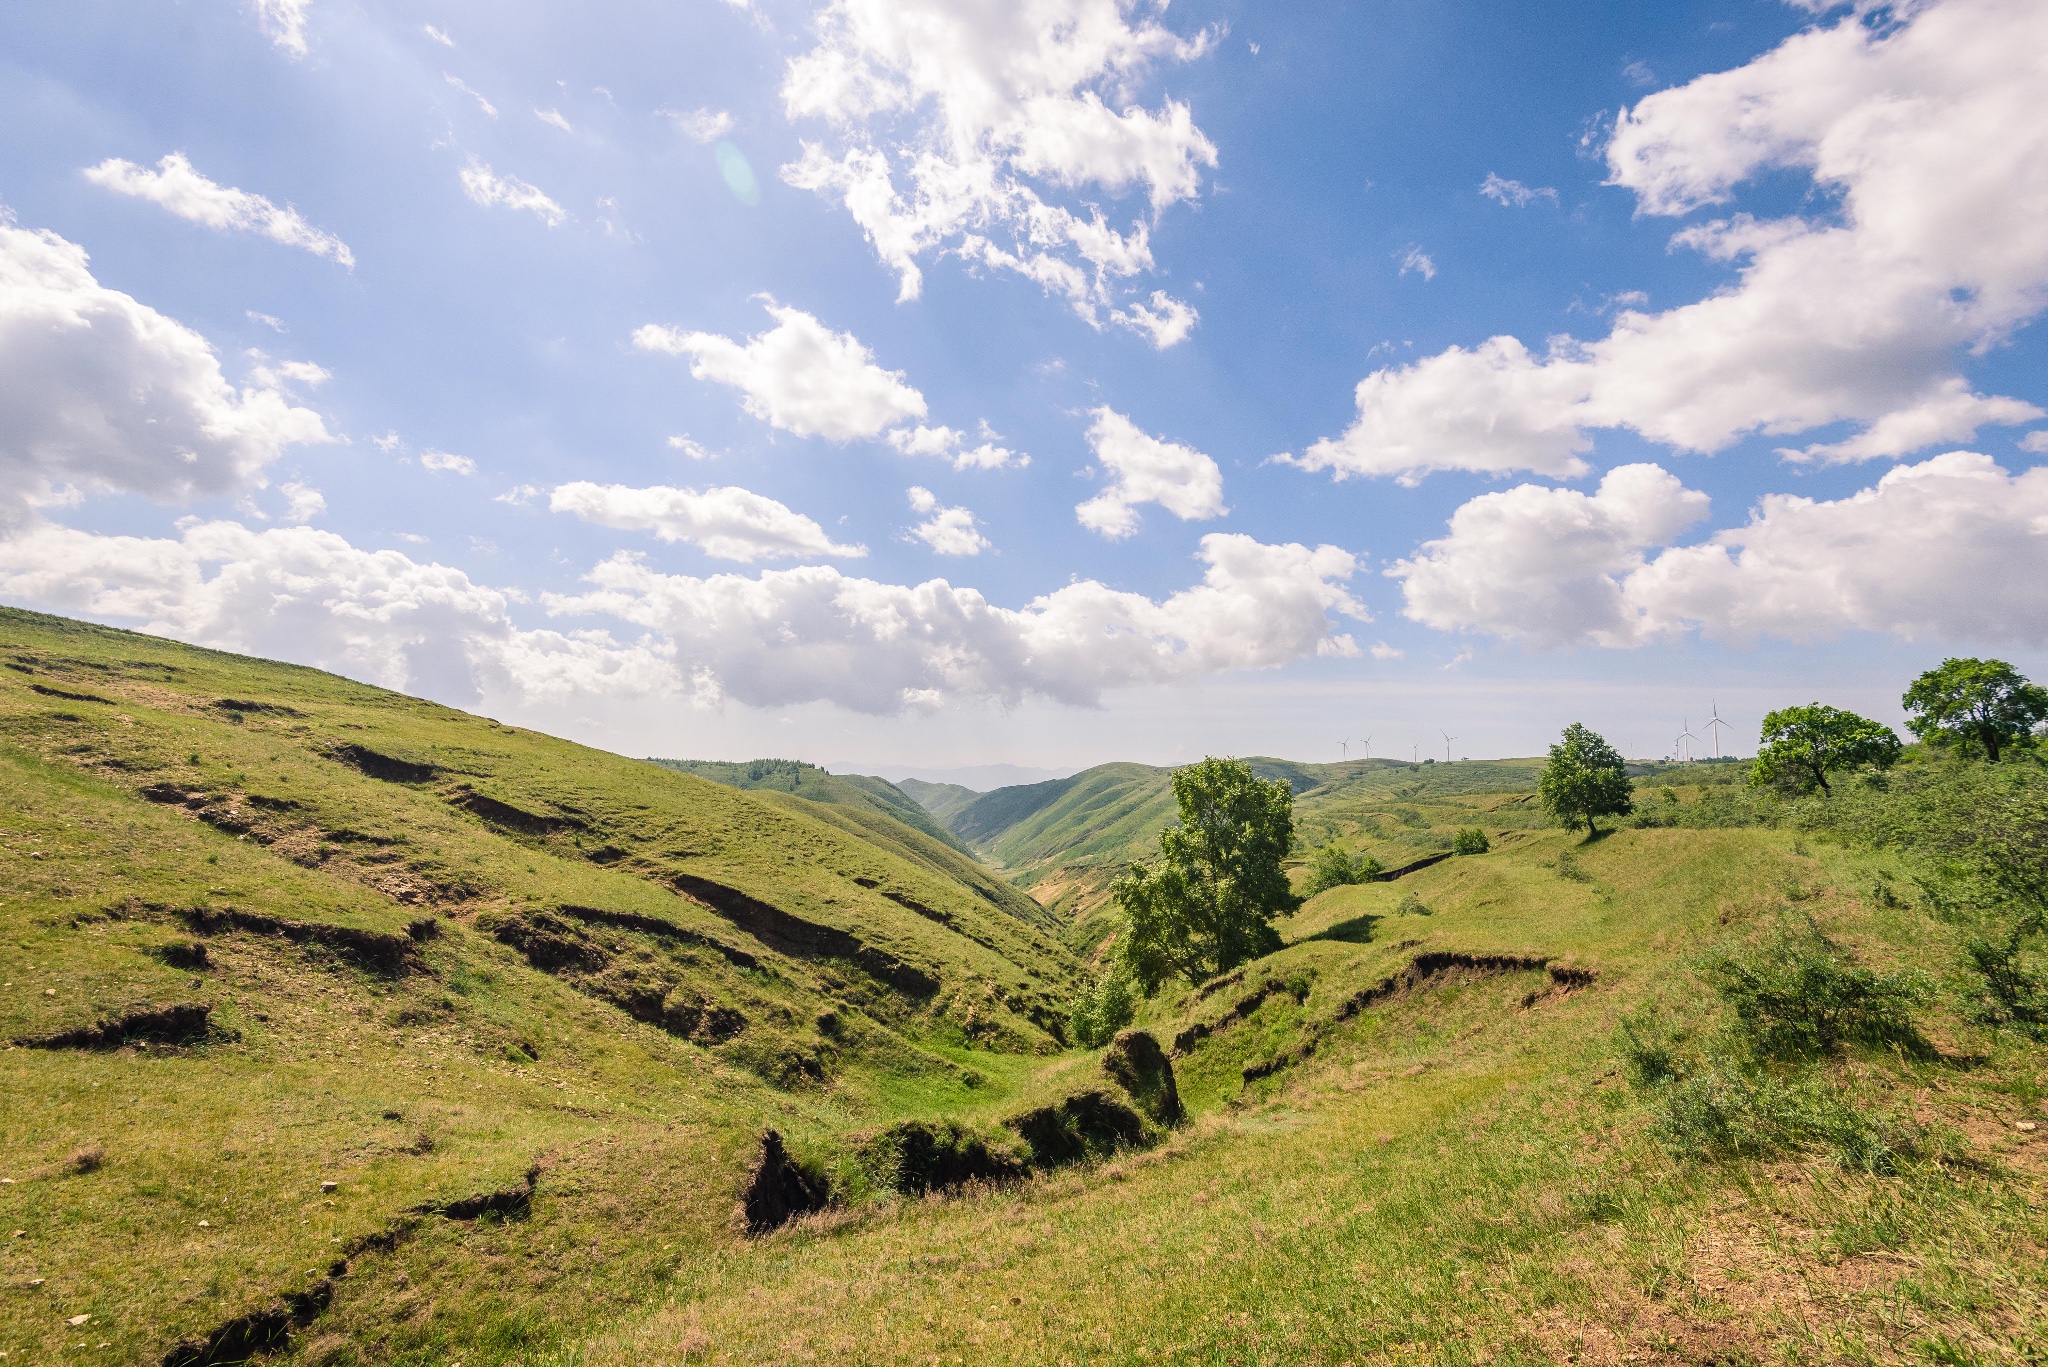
(558, 372)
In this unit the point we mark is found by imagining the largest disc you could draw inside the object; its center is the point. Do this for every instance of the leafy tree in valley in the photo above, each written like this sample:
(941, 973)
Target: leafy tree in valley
(1980, 707)
(1585, 778)
(1103, 1011)
(1471, 840)
(1803, 745)
(1208, 904)
(1334, 867)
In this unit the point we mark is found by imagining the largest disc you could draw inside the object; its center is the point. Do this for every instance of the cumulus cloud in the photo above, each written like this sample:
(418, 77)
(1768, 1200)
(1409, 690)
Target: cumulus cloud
(701, 125)
(1925, 133)
(1494, 408)
(1952, 549)
(101, 393)
(692, 448)
(176, 186)
(2036, 442)
(1547, 565)
(284, 23)
(954, 126)
(948, 531)
(799, 376)
(489, 189)
(950, 443)
(778, 638)
(302, 504)
(446, 462)
(311, 597)
(1165, 321)
(1417, 260)
(809, 634)
(1145, 469)
(727, 524)
(1513, 193)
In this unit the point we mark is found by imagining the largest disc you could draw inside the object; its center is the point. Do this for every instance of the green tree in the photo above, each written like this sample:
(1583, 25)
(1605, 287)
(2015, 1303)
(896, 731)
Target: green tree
(1335, 867)
(1977, 706)
(1208, 904)
(1585, 778)
(1471, 840)
(1803, 745)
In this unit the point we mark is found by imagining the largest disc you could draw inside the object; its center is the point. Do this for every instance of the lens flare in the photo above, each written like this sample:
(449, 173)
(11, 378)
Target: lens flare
(739, 177)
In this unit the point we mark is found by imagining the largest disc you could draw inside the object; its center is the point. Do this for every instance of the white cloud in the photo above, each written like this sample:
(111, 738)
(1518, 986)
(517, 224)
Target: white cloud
(443, 39)
(1546, 565)
(302, 504)
(519, 495)
(728, 523)
(2036, 442)
(284, 23)
(553, 119)
(1926, 135)
(447, 462)
(1953, 549)
(387, 443)
(487, 188)
(1166, 321)
(1145, 469)
(954, 124)
(801, 635)
(1416, 259)
(948, 531)
(1382, 651)
(481, 103)
(175, 186)
(949, 443)
(274, 324)
(700, 125)
(1513, 193)
(694, 450)
(1493, 409)
(101, 393)
(309, 596)
(286, 373)
(799, 376)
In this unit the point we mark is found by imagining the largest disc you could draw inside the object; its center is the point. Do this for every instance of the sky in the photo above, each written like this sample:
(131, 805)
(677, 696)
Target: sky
(935, 384)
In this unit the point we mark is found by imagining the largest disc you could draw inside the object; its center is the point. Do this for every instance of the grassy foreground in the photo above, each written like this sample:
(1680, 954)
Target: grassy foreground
(497, 990)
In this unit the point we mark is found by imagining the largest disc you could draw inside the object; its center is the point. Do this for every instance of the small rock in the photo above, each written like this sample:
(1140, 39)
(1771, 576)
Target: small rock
(20, 1234)
(2025, 1126)
(77, 1320)
(326, 1187)
(49, 992)
(206, 1224)
(36, 1282)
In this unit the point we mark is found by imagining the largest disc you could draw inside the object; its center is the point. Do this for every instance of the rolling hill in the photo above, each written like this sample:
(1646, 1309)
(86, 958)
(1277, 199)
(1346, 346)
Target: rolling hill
(344, 1028)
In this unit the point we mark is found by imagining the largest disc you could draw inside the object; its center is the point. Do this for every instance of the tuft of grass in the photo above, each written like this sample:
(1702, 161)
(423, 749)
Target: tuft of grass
(86, 1158)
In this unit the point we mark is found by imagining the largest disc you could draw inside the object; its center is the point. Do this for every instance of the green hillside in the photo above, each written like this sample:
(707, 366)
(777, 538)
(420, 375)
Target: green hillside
(349, 1029)
(940, 799)
(863, 792)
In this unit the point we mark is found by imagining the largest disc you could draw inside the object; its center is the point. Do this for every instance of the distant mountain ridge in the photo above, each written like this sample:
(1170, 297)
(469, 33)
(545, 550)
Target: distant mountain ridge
(863, 792)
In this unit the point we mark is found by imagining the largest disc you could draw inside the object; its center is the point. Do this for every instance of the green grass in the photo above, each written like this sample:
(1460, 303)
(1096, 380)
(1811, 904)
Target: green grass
(1459, 1171)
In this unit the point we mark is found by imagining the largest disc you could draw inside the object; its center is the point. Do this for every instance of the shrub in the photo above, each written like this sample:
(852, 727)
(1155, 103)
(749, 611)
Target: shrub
(1799, 997)
(2014, 996)
(1471, 840)
(1102, 1011)
(1411, 905)
(1334, 867)
(1568, 867)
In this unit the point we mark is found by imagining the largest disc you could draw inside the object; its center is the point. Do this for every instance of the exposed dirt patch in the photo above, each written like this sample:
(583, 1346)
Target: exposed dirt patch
(68, 696)
(665, 930)
(509, 1203)
(1417, 866)
(378, 765)
(518, 820)
(778, 1190)
(260, 1332)
(919, 1156)
(1438, 968)
(799, 938)
(1142, 1068)
(181, 1024)
(1091, 1123)
(387, 955)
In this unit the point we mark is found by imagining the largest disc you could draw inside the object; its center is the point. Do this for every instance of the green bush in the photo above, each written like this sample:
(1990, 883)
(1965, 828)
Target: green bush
(1717, 1111)
(1471, 840)
(1799, 997)
(1334, 867)
(1568, 867)
(2014, 996)
(1102, 1011)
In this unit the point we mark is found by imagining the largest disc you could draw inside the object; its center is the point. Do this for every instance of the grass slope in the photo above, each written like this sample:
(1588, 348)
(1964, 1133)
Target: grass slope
(863, 792)
(1413, 1136)
(940, 799)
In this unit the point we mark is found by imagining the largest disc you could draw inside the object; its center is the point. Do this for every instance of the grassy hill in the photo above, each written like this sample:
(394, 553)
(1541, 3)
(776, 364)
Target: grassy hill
(350, 1029)
(862, 792)
(940, 799)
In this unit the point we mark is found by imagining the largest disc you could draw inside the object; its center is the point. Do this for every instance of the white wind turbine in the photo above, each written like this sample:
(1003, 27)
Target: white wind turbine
(1714, 727)
(1344, 747)
(1685, 740)
(1368, 747)
(1448, 738)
